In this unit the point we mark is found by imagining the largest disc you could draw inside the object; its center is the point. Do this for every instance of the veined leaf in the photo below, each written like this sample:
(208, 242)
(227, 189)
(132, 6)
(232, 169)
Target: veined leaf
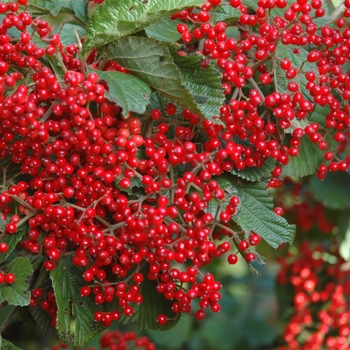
(203, 84)
(256, 214)
(228, 14)
(126, 90)
(152, 62)
(256, 173)
(17, 293)
(114, 19)
(154, 304)
(53, 6)
(40, 316)
(306, 163)
(164, 30)
(75, 314)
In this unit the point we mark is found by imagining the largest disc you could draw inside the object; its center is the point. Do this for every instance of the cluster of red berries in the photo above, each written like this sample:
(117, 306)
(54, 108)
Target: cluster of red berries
(115, 340)
(244, 63)
(320, 282)
(77, 165)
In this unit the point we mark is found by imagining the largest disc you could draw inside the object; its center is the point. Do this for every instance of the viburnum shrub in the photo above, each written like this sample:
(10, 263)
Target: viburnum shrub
(138, 141)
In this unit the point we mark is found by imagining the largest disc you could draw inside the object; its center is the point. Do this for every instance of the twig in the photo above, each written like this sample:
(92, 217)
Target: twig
(8, 319)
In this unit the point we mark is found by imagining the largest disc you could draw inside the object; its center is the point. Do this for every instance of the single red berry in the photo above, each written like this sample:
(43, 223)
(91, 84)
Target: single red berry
(162, 319)
(232, 259)
(10, 278)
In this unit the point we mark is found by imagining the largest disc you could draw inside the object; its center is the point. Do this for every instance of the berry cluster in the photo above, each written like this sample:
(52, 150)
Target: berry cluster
(253, 64)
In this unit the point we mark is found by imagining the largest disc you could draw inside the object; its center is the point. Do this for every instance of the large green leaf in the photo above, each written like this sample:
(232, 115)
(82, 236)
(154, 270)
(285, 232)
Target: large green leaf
(154, 304)
(256, 214)
(333, 191)
(126, 90)
(17, 293)
(152, 62)
(203, 84)
(114, 19)
(164, 30)
(306, 163)
(256, 173)
(298, 57)
(75, 314)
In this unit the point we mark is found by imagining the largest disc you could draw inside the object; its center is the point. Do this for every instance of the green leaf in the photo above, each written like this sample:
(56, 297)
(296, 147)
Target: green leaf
(256, 173)
(297, 59)
(319, 114)
(154, 304)
(11, 241)
(256, 214)
(67, 33)
(17, 293)
(75, 314)
(203, 84)
(40, 316)
(152, 62)
(6, 345)
(306, 163)
(251, 3)
(226, 13)
(114, 19)
(332, 191)
(80, 8)
(164, 30)
(54, 7)
(158, 101)
(126, 90)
